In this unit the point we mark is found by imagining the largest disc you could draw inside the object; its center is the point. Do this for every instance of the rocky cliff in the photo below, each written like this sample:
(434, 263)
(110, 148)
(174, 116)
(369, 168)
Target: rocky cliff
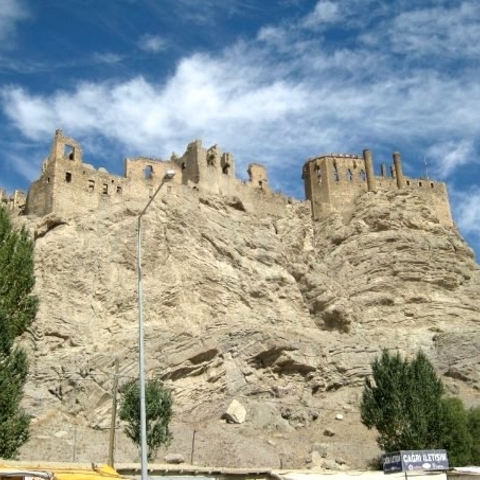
(281, 313)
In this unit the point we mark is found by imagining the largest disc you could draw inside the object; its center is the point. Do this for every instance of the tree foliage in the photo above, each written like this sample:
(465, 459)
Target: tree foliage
(474, 429)
(159, 410)
(404, 401)
(18, 307)
(456, 437)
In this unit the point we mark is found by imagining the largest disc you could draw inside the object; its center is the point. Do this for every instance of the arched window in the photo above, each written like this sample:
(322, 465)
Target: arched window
(336, 176)
(148, 172)
(349, 175)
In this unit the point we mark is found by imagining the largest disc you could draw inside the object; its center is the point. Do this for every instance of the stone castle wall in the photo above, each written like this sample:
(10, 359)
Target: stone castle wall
(333, 182)
(67, 185)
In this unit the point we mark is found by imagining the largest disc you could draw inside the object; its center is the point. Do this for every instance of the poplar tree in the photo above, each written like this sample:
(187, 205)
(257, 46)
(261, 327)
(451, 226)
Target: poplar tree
(18, 307)
(159, 410)
(403, 401)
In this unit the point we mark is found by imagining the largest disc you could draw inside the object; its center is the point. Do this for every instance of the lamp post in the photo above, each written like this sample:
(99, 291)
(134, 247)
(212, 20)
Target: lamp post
(169, 174)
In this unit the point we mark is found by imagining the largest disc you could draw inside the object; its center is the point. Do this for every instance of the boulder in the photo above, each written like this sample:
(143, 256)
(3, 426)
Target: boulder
(235, 413)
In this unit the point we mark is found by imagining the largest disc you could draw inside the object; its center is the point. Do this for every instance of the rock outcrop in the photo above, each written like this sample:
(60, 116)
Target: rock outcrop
(280, 312)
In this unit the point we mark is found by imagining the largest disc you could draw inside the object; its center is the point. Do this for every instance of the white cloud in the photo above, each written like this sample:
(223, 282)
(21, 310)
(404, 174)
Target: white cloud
(466, 206)
(11, 12)
(204, 97)
(108, 57)
(27, 169)
(448, 156)
(152, 43)
(286, 107)
(324, 12)
(440, 31)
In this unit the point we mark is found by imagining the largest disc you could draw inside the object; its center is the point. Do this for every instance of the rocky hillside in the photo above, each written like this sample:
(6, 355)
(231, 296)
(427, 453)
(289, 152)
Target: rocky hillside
(282, 314)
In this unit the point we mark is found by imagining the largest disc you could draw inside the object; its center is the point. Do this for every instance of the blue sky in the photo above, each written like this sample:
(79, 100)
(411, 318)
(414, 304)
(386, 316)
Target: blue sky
(272, 81)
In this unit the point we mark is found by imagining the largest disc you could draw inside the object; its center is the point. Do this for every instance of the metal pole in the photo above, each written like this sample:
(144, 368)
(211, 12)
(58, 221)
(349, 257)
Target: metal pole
(74, 444)
(111, 445)
(141, 351)
(193, 447)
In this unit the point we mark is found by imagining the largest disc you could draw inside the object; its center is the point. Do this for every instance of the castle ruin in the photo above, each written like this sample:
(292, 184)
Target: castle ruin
(332, 182)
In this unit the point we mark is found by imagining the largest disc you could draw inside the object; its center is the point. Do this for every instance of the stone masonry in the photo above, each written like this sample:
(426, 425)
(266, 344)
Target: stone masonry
(332, 182)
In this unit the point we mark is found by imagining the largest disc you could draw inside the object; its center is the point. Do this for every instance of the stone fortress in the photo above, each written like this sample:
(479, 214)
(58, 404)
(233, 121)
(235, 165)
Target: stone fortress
(332, 182)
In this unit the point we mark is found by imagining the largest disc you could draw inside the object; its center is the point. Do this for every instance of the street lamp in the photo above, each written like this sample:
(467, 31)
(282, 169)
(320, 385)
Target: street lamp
(169, 174)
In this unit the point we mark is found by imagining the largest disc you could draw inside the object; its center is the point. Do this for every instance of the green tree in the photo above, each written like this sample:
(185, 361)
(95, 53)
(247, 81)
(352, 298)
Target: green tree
(159, 410)
(403, 401)
(456, 437)
(18, 307)
(474, 429)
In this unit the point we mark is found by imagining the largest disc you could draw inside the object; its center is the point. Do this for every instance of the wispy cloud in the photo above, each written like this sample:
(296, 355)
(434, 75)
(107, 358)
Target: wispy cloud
(446, 31)
(450, 155)
(324, 12)
(152, 43)
(11, 12)
(466, 206)
(207, 12)
(107, 57)
(27, 168)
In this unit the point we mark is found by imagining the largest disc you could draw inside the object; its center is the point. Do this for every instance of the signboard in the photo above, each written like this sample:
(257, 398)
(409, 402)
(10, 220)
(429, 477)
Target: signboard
(411, 460)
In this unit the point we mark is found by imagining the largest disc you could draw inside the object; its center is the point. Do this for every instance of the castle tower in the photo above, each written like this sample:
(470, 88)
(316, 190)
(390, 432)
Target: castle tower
(332, 182)
(367, 158)
(397, 165)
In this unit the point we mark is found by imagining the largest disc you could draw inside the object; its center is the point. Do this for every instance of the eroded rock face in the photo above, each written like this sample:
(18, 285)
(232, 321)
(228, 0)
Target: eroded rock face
(281, 313)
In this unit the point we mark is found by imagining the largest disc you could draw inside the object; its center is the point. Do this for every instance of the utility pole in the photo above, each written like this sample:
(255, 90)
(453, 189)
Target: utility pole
(193, 447)
(111, 446)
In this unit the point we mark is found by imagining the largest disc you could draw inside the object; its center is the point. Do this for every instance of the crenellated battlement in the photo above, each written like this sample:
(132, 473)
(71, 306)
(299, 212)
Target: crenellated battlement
(332, 181)
(68, 185)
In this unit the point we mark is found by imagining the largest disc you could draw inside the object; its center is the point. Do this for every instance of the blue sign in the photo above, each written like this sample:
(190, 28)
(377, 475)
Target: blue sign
(414, 460)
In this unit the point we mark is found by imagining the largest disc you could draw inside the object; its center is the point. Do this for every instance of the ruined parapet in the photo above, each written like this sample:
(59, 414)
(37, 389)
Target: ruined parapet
(189, 163)
(228, 164)
(18, 201)
(257, 175)
(64, 147)
(14, 203)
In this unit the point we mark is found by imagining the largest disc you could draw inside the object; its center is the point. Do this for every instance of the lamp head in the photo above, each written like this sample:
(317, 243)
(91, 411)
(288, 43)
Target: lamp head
(169, 174)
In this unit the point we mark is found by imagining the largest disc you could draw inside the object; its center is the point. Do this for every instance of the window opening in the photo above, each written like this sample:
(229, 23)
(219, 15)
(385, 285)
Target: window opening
(119, 189)
(363, 177)
(69, 152)
(211, 159)
(105, 189)
(336, 177)
(349, 175)
(148, 172)
(419, 184)
(408, 182)
(48, 179)
(432, 185)
(91, 185)
(68, 177)
(225, 169)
